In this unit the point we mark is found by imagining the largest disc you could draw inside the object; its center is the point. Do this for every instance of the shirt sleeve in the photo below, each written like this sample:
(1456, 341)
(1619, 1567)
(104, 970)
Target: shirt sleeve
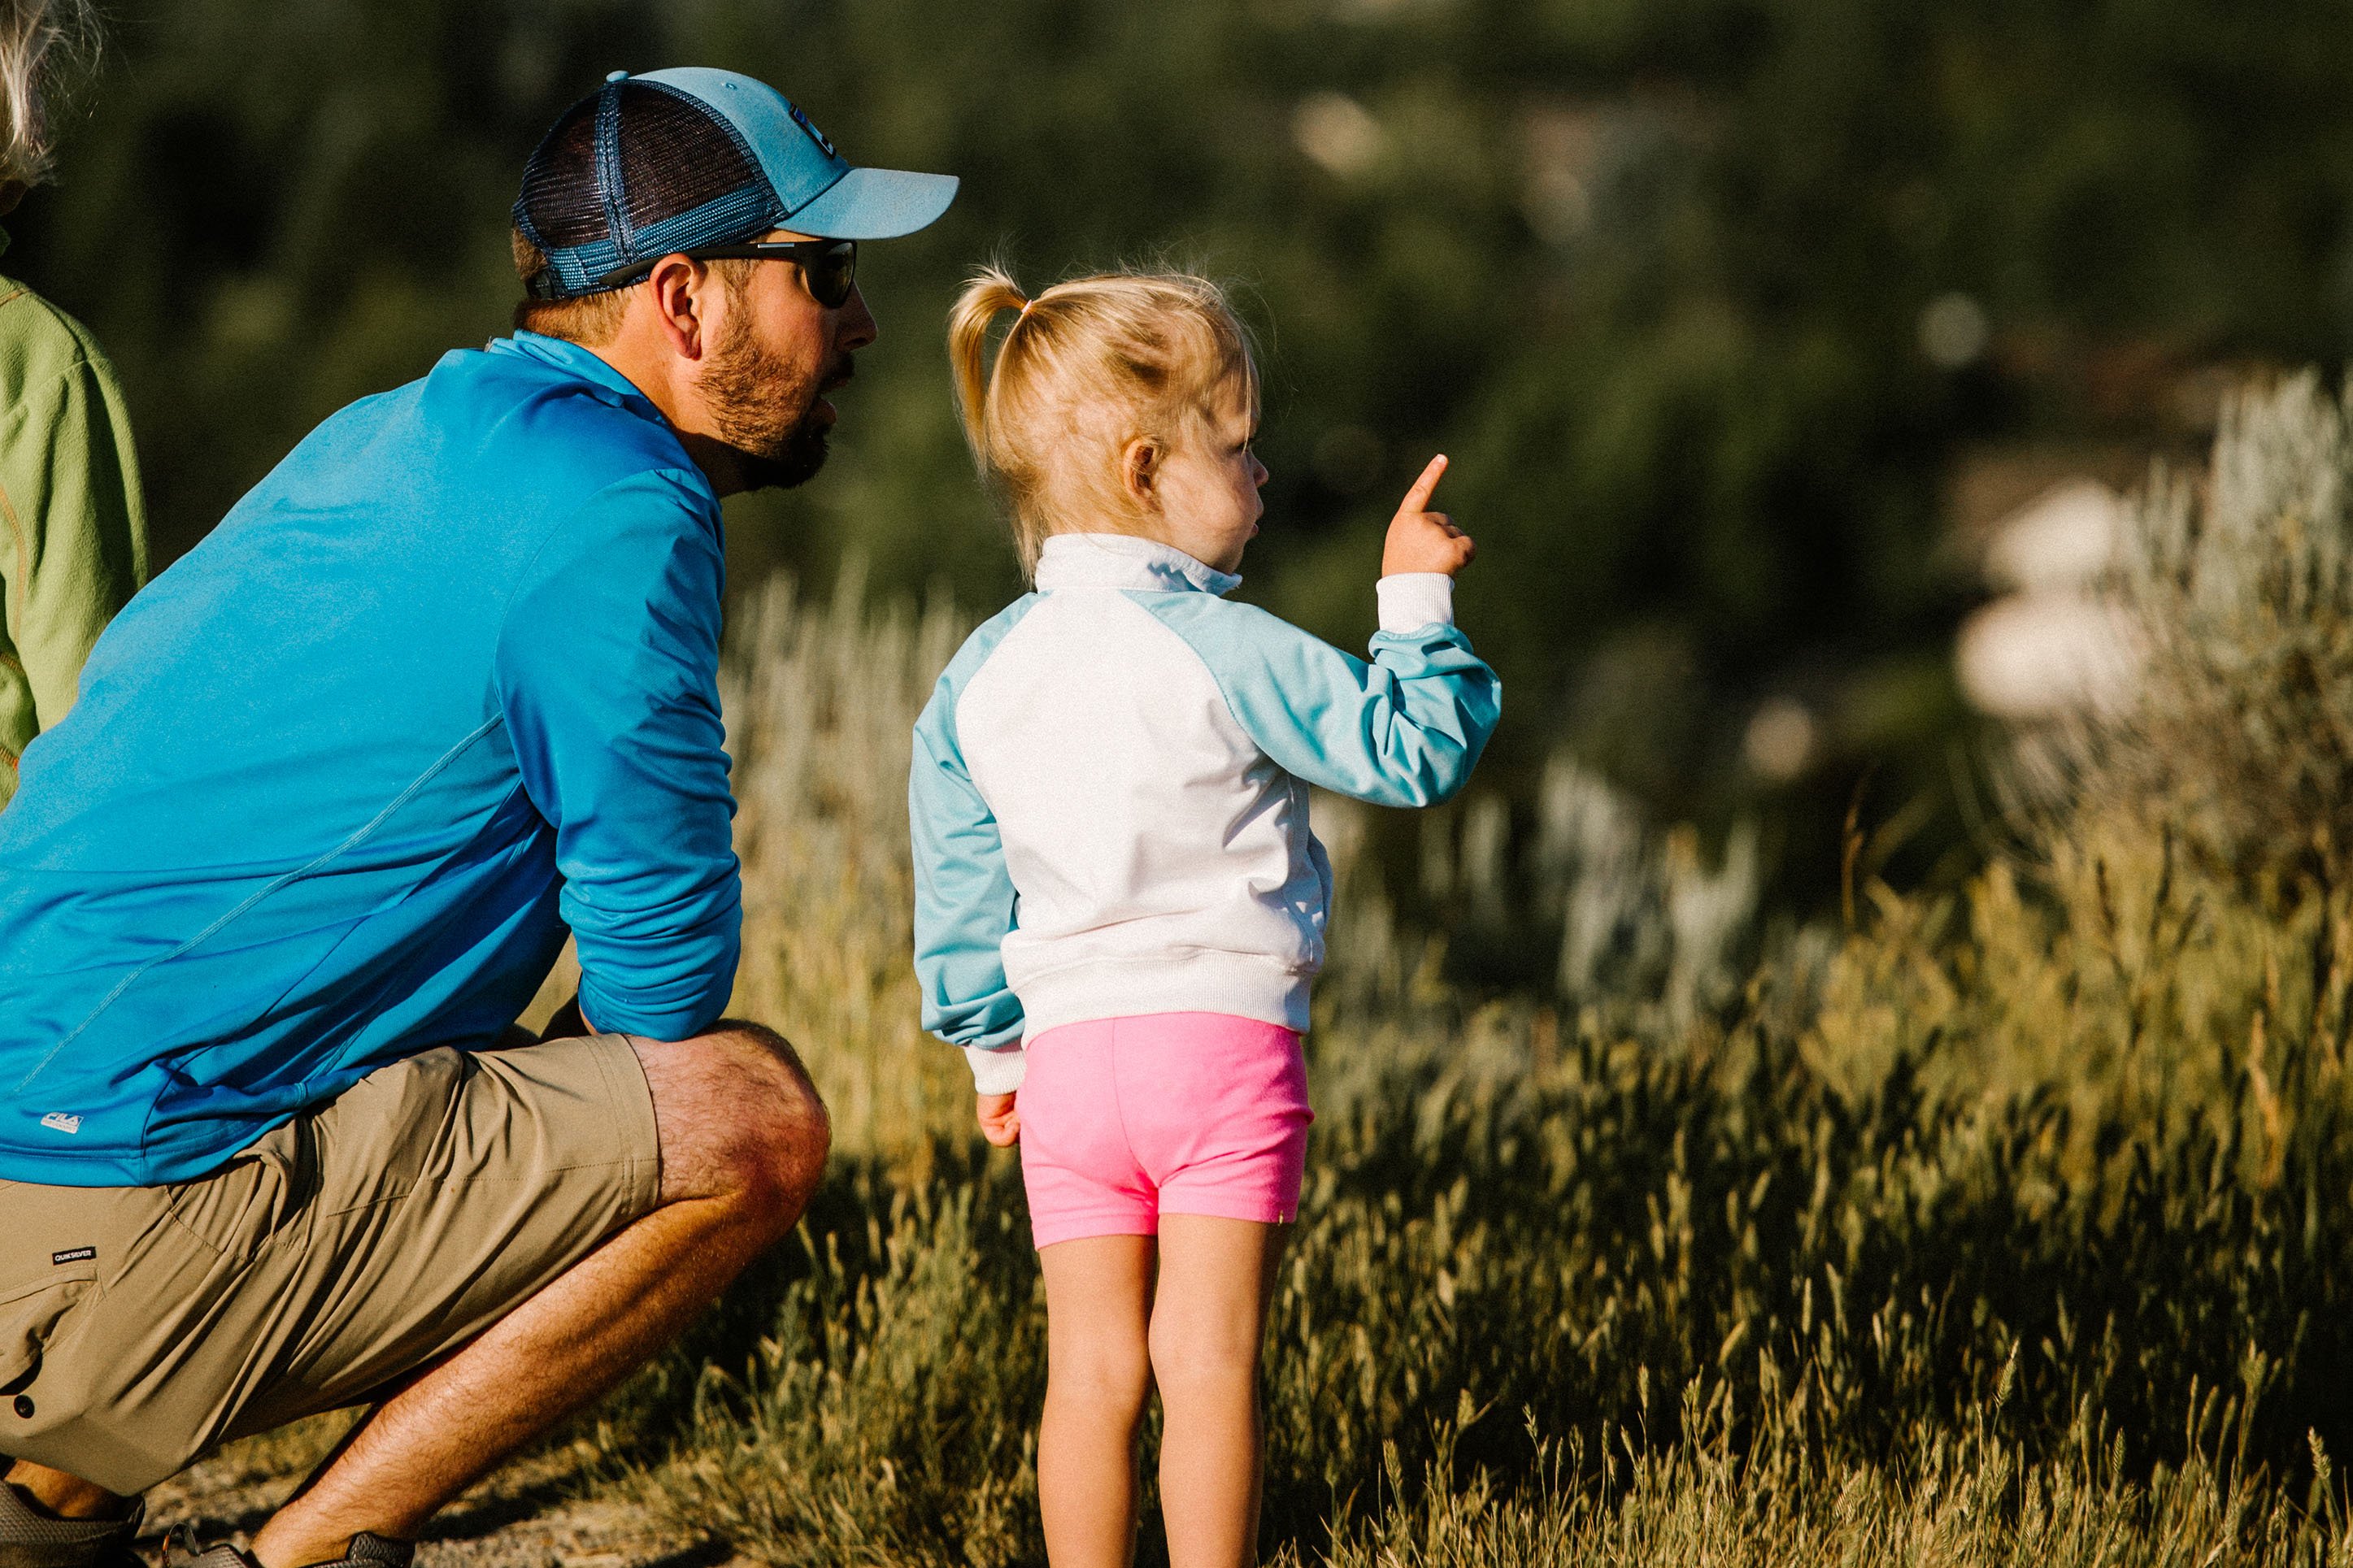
(964, 905)
(1411, 600)
(608, 671)
(1404, 730)
(75, 546)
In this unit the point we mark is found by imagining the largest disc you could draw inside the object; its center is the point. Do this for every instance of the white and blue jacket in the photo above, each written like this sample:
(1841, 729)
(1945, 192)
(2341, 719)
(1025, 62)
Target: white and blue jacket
(1109, 794)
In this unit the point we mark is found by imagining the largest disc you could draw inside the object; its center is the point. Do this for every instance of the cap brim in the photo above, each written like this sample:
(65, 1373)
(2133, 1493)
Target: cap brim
(874, 204)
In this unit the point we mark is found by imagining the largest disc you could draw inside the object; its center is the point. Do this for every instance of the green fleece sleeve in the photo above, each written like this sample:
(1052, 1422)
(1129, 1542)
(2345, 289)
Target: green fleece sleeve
(73, 524)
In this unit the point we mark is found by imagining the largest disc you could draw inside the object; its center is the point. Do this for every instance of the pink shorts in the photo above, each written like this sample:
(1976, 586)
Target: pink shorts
(1125, 1119)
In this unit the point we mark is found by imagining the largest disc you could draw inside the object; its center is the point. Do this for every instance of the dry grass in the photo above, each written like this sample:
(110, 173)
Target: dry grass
(2004, 1227)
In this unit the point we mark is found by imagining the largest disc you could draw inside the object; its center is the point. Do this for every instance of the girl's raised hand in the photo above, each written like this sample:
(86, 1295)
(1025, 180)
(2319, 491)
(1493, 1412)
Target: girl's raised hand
(1000, 1122)
(1424, 541)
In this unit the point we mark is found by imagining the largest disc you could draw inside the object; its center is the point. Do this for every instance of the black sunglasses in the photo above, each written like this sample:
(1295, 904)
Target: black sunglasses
(829, 266)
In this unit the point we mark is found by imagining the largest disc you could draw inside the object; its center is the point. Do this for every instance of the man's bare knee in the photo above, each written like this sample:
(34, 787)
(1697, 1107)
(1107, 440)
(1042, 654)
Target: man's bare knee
(794, 1115)
(738, 1118)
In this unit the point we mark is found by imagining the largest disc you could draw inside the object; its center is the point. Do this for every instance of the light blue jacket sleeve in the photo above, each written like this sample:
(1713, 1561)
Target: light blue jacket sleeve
(606, 673)
(1405, 730)
(963, 895)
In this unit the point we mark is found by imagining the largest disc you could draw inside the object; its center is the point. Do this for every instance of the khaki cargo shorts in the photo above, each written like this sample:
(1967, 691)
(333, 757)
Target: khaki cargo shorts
(140, 1326)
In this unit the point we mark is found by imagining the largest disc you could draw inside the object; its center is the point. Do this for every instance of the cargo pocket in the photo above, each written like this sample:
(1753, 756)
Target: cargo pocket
(251, 1202)
(29, 1316)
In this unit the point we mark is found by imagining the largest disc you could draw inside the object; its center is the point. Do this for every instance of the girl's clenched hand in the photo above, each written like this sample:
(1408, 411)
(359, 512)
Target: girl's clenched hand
(1000, 1124)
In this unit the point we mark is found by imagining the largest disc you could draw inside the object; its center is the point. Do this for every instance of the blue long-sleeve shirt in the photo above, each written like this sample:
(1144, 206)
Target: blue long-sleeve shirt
(442, 686)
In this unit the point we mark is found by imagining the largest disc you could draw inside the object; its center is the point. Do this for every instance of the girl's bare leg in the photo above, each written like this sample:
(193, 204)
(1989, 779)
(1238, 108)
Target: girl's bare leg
(1098, 1371)
(1209, 1327)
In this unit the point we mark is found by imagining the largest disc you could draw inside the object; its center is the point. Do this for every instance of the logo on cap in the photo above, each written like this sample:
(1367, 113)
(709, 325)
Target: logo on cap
(800, 118)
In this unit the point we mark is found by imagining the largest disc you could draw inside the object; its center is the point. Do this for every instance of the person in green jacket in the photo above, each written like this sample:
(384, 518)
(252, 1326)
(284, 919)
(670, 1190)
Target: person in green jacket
(73, 524)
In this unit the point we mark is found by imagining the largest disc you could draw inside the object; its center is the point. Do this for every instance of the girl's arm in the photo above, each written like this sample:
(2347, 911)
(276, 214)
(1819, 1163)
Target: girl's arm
(964, 905)
(1405, 730)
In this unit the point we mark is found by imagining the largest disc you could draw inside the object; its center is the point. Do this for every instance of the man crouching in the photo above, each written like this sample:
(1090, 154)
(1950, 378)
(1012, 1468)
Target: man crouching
(440, 689)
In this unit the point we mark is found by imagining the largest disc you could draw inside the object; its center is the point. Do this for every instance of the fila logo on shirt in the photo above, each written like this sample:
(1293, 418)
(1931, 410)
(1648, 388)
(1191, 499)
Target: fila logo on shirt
(62, 1121)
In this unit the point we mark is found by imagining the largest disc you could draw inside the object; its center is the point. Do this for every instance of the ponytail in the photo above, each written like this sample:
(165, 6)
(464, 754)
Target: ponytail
(991, 290)
(1087, 365)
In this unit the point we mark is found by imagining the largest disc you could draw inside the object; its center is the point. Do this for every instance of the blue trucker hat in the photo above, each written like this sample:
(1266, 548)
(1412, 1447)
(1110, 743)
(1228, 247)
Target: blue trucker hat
(674, 159)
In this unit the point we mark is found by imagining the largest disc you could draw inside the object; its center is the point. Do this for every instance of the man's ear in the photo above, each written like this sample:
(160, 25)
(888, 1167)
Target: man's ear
(1139, 471)
(681, 290)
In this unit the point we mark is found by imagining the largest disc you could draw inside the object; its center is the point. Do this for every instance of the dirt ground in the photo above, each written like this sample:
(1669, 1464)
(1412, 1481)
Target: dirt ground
(532, 1514)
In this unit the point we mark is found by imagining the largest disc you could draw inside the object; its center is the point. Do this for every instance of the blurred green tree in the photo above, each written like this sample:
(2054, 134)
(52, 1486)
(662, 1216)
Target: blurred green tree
(1703, 295)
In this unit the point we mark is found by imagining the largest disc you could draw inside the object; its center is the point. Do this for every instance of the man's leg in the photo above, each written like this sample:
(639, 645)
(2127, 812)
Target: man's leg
(367, 1248)
(744, 1138)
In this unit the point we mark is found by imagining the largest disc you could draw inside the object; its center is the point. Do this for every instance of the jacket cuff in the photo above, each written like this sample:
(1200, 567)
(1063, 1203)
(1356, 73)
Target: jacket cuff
(997, 1071)
(1411, 600)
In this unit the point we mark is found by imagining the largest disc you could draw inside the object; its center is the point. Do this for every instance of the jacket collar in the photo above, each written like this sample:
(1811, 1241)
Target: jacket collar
(1124, 560)
(573, 360)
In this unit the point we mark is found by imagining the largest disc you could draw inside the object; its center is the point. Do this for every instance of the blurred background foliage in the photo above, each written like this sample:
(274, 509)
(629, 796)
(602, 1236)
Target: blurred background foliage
(1740, 318)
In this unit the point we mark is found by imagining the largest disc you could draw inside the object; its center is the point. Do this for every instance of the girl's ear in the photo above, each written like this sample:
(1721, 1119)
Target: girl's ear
(1139, 471)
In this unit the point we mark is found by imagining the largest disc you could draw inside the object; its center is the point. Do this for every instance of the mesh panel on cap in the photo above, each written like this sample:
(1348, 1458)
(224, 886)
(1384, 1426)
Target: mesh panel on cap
(674, 156)
(559, 187)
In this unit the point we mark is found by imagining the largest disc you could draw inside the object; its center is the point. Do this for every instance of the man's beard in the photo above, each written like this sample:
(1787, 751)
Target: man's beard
(766, 411)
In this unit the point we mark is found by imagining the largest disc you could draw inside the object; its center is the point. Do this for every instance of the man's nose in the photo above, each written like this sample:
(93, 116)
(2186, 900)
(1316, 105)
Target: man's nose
(857, 327)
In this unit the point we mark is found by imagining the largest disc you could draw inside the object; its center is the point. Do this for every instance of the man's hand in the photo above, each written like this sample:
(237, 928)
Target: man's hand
(1424, 541)
(1000, 1124)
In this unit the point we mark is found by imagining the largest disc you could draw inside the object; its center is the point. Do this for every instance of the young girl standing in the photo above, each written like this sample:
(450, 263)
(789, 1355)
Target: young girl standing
(1119, 906)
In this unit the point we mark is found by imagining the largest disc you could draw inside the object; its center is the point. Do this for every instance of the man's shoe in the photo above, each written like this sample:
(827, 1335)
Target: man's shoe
(181, 1551)
(377, 1551)
(31, 1538)
(365, 1551)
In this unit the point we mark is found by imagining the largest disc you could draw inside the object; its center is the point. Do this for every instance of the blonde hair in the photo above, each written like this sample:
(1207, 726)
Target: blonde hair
(1087, 367)
(30, 32)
